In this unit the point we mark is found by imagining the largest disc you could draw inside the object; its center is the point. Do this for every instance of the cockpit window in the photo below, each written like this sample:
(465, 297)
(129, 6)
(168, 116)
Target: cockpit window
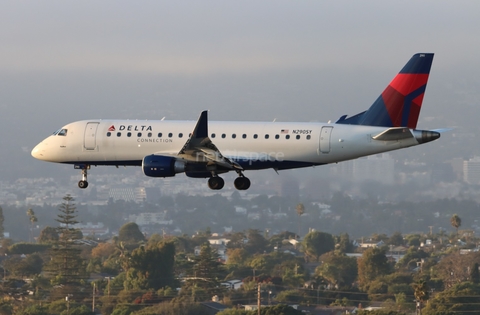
(60, 132)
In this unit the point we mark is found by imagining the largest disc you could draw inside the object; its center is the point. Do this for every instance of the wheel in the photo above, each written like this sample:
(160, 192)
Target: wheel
(242, 183)
(83, 184)
(216, 183)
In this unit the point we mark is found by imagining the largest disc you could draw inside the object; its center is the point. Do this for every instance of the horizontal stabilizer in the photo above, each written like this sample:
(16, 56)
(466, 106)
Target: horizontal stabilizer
(394, 134)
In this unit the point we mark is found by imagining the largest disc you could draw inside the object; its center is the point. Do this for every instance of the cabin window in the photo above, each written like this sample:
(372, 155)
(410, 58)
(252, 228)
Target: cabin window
(213, 135)
(129, 134)
(149, 135)
(287, 137)
(159, 134)
(298, 137)
(255, 136)
(139, 134)
(223, 135)
(308, 137)
(277, 136)
(267, 136)
(109, 134)
(170, 135)
(234, 136)
(244, 136)
(180, 135)
(119, 134)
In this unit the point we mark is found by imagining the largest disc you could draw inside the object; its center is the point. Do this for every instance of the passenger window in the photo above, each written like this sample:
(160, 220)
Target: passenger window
(129, 134)
(119, 134)
(223, 135)
(109, 134)
(213, 135)
(244, 136)
(277, 136)
(287, 137)
(170, 135)
(298, 137)
(159, 134)
(234, 136)
(266, 136)
(139, 134)
(149, 135)
(308, 137)
(255, 136)
(180, 135)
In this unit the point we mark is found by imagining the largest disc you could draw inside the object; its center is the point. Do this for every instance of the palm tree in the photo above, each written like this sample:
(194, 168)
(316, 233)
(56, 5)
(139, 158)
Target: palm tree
(33, 219)
(300, 208)
(456, 222)
(421, 294)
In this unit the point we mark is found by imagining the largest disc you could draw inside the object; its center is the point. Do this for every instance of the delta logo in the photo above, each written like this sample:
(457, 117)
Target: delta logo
(130, 128)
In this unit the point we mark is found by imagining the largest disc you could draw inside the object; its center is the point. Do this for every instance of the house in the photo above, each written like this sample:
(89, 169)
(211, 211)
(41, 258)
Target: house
(233, 284)
(213, 308)
(327, 310)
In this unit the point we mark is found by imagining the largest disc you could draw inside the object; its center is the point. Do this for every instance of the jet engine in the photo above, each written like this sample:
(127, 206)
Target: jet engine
(162, 166)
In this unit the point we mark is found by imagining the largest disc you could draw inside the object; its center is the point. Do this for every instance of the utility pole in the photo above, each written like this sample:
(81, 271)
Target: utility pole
(93, 300)
(259, 296)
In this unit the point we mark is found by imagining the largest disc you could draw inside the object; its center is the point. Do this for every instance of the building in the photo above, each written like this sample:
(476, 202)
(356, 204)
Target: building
(471, 171)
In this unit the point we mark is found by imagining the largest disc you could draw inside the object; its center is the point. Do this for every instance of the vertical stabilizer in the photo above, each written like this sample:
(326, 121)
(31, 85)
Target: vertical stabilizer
(400, 103)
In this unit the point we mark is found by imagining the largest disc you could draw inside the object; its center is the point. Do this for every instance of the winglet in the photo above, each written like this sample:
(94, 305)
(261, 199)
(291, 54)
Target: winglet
(201, 129)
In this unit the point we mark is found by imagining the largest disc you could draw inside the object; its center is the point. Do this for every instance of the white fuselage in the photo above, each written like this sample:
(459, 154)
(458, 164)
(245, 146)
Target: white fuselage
(289, 144)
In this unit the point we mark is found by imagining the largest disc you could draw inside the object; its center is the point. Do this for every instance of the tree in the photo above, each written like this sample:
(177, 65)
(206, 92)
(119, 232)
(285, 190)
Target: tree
(456, 222)
(130, 233)
(396, 239)
(371, 265)
(300, 209)
(338, 269)
(2, 219)
(344, 245)
(152, 267)
(475, 274)
(32, 218)
(48, 235)
(66, 265)
(317, 243)
(421, 293)
(205, 276)
(462, 298)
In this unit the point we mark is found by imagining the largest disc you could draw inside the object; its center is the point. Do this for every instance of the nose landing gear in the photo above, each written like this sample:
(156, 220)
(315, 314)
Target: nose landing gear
(83, 183)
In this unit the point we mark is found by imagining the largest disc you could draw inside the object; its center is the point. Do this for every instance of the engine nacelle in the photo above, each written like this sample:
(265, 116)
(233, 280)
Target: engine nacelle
(162, 166)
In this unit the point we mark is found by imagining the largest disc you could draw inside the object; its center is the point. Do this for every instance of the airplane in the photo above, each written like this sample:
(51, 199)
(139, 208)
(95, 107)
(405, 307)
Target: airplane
(205, 149)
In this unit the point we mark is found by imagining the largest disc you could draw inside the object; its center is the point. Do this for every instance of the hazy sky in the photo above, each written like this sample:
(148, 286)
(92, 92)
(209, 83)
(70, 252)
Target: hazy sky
(62, 61)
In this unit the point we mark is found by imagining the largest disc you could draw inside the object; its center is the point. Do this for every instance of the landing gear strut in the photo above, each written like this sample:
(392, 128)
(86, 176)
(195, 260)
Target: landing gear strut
(83, 183)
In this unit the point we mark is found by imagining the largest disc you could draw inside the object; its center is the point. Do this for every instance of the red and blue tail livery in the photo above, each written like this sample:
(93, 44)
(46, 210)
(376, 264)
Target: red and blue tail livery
(400, 103)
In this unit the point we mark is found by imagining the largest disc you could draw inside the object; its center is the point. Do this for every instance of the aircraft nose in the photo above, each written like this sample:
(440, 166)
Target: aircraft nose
(39, 151)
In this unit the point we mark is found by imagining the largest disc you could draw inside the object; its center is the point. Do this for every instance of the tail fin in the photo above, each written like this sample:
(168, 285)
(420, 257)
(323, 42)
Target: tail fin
(399, 104)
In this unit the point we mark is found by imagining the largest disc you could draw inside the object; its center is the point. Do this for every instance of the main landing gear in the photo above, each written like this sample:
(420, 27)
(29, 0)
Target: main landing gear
(241, 182)
(83, 183)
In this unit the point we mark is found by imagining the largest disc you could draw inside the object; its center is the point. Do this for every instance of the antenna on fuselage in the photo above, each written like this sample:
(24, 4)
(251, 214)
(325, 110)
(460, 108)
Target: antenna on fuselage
(163, 118)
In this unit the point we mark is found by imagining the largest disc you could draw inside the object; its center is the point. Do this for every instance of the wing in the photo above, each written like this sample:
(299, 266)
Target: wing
(200, 149)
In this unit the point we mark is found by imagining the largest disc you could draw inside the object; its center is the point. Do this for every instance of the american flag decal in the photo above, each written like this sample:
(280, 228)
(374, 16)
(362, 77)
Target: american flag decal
(284, 131)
